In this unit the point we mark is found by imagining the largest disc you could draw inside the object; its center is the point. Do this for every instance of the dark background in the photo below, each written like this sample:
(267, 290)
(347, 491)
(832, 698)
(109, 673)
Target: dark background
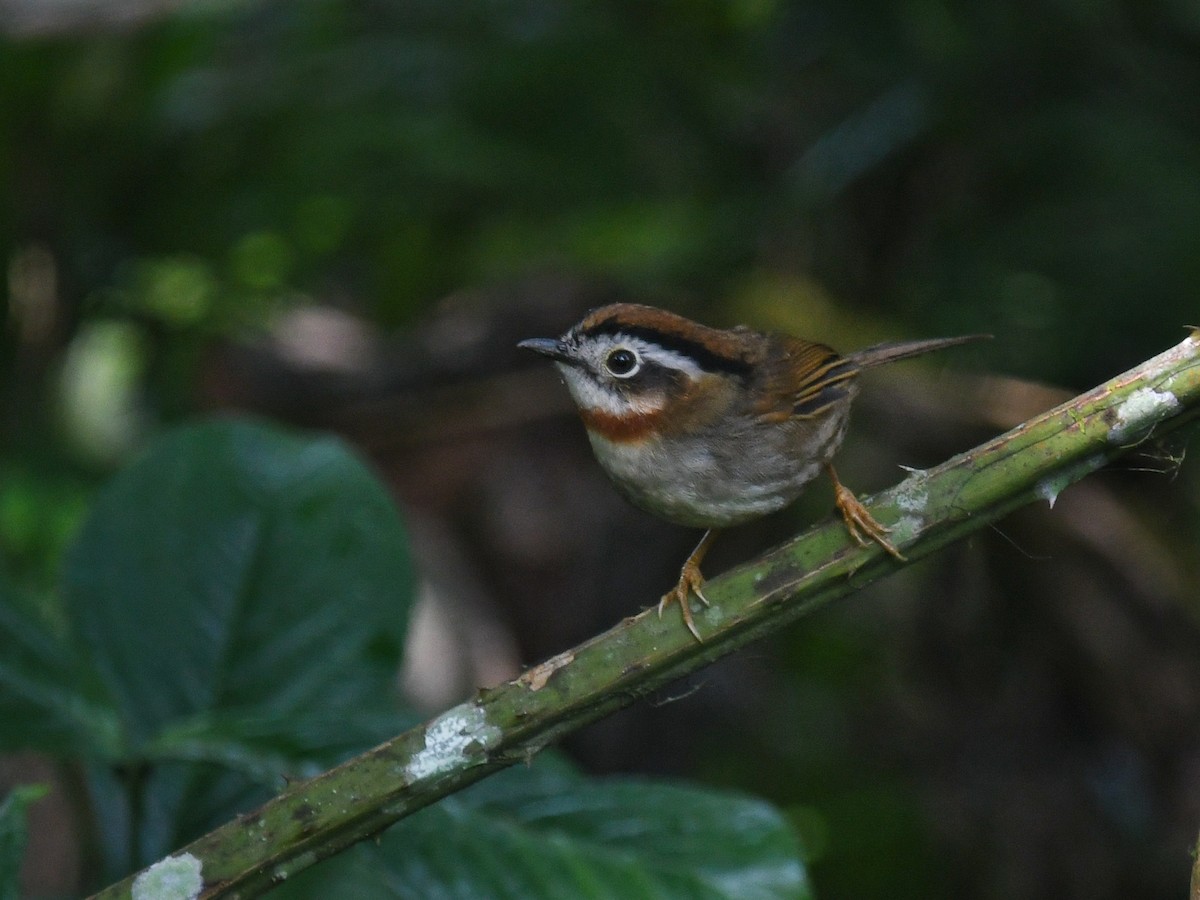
(344, 215)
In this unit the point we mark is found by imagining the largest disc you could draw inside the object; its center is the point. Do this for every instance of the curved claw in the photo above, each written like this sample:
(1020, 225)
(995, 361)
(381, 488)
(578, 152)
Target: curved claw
(859, 521)
(690, 582)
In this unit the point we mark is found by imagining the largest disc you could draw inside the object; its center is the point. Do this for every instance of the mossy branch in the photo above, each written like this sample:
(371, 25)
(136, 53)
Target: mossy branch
(504, 725)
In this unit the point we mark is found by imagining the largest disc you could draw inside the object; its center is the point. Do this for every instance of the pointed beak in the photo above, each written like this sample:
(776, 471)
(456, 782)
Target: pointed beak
(551, 347)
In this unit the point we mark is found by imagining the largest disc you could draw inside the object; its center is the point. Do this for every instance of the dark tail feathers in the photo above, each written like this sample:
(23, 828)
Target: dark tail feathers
(897, 350)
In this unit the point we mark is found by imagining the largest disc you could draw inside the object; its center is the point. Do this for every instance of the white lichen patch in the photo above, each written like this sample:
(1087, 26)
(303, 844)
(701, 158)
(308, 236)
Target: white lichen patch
(905, 529)
(1140, 411)
(447, 739)
(173, 878)
(912, 499)
(711, 615)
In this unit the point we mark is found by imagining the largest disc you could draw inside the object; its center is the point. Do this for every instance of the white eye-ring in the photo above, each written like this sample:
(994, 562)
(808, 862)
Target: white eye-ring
(622, 362)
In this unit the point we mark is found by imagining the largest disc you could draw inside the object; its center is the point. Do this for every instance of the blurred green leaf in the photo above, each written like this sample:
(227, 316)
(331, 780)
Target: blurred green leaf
(41, 507)
(261, 261)
(242, 595)
(43, 703)
(235, 566)
(178, 290)
(545, 832)
(143, 812)
(300, 744)
(13, 833)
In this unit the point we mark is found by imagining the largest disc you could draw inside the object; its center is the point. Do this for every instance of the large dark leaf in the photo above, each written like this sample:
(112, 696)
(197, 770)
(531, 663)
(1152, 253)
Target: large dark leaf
(44, 702)
(547, 833)
(237, 566)
(263, 747)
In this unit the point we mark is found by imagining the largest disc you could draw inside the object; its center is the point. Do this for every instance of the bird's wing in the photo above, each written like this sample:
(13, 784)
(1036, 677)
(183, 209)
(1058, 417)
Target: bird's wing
(801, 379)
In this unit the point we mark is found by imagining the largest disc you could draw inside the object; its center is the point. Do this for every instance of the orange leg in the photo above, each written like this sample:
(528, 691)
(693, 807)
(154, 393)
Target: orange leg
(690, 582)
(859, 521)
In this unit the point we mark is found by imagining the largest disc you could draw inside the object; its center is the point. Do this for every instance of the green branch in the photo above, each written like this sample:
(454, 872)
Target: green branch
(498, 727)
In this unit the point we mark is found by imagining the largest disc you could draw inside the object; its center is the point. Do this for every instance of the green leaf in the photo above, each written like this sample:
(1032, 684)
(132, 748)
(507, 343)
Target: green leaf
(43, 704)
(261, 747)
(203, 770)
(236, 566)
(544, 832)
(13, 833)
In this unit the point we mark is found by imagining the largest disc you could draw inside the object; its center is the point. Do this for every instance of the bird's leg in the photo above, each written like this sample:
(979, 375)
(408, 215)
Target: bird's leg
(690, 582)
(859, 521)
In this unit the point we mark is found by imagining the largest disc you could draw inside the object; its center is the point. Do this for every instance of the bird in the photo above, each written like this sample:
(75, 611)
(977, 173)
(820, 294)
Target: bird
(709, 427)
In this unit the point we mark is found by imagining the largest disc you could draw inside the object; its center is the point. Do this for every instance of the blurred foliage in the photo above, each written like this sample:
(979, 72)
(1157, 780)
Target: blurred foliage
(935, 162)
(878, 168)
(13, 834)
(545, 832)
(198, 655)
(235, 609)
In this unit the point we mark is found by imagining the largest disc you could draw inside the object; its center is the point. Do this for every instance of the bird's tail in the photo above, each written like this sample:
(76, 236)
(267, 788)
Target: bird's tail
(897, 350)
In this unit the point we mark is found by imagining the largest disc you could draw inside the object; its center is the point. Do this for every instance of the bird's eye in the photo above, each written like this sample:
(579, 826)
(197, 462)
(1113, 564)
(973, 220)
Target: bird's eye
(621, 362)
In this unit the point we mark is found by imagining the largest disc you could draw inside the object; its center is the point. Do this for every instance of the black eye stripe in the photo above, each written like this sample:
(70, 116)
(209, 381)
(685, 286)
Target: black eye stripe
(703, 357)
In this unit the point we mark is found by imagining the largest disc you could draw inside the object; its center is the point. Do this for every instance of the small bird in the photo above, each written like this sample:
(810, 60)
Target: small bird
(709, 428)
